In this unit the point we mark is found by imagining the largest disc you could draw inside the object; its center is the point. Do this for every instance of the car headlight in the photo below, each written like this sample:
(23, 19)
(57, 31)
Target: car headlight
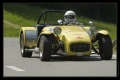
(57, 30)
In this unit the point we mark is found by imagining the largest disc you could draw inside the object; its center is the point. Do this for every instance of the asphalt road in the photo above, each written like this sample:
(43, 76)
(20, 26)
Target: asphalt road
(16, 66)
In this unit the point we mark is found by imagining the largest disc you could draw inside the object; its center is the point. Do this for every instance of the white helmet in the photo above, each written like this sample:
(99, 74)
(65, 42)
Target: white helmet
(70, 16)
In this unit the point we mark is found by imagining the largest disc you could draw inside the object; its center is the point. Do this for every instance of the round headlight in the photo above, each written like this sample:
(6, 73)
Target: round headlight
(57, 30)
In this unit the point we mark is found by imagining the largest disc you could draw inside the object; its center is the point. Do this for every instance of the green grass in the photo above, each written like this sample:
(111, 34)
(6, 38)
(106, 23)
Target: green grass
(23, 15)
(19, 20)
(112, 28)
(9, 31)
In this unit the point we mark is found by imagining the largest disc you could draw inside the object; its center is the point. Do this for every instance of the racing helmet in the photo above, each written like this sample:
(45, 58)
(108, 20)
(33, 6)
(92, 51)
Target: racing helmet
(70, 16)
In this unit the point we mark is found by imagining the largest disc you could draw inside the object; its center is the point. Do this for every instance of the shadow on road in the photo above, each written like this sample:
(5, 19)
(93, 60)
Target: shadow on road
(64, 58)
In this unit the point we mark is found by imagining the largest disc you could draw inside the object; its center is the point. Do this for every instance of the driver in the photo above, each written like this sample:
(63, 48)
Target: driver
(70, 17)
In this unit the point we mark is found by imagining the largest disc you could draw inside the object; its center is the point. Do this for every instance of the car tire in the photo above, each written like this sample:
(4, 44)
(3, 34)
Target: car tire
(45, 48)
(105, 47)
(22, 48)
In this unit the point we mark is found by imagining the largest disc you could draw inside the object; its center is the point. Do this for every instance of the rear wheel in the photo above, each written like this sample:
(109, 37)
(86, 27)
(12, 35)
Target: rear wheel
(105, 47)
(45, 48)
(22, 48)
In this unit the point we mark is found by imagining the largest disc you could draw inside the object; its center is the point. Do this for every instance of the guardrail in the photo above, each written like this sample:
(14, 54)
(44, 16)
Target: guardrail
(114, 43)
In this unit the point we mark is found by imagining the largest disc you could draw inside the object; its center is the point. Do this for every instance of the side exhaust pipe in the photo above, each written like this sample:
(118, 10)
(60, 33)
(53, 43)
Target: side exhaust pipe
(36, 50)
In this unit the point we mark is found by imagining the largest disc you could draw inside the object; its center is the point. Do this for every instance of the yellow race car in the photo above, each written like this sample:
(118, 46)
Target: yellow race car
(52, 36)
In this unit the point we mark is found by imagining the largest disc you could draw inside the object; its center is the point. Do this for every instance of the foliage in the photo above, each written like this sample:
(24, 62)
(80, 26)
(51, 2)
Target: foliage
(24, 15)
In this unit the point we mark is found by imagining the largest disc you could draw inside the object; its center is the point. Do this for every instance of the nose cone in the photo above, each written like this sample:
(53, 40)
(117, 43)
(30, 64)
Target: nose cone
(76, 42)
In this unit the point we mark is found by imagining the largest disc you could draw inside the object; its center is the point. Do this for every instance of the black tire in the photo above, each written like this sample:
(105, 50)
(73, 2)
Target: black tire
(105, 47)
(22, 48)
(45, 48)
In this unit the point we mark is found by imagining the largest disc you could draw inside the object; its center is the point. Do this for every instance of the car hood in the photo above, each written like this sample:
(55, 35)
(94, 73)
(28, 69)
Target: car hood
(72, 29)
(72, 33)
(65, 29)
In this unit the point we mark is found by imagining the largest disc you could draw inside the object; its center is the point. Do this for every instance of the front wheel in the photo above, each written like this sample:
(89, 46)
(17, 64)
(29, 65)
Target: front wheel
(105, 47)
(45, 48)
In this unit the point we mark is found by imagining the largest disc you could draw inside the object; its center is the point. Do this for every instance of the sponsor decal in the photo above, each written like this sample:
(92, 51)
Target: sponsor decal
(78, 37)
(76, 34)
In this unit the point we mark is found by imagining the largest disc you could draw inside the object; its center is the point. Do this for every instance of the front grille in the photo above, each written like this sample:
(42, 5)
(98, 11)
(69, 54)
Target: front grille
(79, 47)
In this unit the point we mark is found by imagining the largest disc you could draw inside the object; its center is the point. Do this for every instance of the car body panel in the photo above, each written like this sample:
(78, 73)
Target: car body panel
(30, 38)
(74, 34)
(104, 32)
(71, 34)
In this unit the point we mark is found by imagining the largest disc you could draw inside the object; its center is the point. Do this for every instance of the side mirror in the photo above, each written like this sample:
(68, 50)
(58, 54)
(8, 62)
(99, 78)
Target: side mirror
(90, 23)
(60, 21)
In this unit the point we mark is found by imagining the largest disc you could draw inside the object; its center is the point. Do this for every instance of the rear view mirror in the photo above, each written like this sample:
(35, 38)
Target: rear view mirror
(60, 21)
(90, 23)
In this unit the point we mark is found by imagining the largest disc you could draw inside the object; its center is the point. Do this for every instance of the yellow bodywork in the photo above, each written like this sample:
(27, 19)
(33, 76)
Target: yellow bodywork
(70, 34)
(27, 43)
(104, 32)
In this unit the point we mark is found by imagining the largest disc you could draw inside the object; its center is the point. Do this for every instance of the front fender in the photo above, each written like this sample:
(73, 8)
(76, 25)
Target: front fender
(48, 33)
(104, 32)
(30, 37)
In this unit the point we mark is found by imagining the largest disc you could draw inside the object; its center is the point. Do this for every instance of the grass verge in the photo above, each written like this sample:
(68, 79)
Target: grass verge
(18, 15)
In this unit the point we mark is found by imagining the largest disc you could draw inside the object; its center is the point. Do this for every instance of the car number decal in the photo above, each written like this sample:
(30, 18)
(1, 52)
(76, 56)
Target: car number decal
(79, 53)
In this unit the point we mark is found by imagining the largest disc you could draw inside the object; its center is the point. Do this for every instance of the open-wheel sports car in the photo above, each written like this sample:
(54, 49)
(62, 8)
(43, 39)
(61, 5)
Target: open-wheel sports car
(53, 36)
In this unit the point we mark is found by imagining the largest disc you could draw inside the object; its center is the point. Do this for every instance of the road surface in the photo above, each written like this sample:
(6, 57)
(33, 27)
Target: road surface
(16, 66)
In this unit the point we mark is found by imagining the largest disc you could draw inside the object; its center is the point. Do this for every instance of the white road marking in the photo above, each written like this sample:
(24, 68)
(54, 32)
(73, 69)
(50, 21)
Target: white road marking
(15, 68)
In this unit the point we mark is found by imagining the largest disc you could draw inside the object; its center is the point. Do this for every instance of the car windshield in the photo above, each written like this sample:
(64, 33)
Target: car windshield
(51, 18)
